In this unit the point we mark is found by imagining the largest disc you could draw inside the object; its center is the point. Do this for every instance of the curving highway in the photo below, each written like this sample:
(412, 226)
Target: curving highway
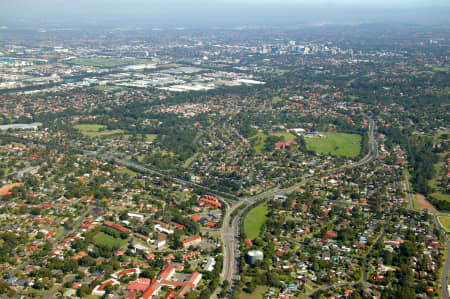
(230, 233)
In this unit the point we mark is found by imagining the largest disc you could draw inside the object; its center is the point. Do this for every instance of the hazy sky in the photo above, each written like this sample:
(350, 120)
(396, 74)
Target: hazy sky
(223, 12)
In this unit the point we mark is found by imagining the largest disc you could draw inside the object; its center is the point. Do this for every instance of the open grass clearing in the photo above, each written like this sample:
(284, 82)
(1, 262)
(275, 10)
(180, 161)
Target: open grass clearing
(190, 160)
(106, 240)
(103, 133)
(336, 144)
(92, 130)
(128, 171)
(309, 288)
(445, 222)
(254, 221)
(440, 196)
(150, 137)
(182, 195)
(139, 137)
(257, 293)
(440, 69)
(109, 87)
(415, 204)
(89, 127)
(286, 135)
(258, 140)
(276, 100)
(420, 203)
(109, 62)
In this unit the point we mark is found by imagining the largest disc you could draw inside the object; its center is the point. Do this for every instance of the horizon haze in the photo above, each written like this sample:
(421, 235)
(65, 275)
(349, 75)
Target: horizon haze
(202, 13)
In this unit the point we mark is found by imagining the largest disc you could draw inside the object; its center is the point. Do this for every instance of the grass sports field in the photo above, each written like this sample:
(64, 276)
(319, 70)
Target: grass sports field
(337, 144)
(254, 220)
(106, 240)
(92, 130)
(89, 127)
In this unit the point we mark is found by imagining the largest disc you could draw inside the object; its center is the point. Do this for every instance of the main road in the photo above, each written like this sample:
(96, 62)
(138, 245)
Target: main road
(446, 268)
(145, 169)
(230, 233)
(445, 271)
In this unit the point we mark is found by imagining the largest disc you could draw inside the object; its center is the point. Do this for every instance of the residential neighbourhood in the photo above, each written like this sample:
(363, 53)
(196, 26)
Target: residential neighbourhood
(237, 163)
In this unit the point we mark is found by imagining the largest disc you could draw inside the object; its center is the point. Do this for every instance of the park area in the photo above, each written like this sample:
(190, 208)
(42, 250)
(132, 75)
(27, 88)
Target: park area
(259, 140)
(92, 130)
(108, 62)
(445, 222)
(254, 221)
(336, 144)
(106, 240)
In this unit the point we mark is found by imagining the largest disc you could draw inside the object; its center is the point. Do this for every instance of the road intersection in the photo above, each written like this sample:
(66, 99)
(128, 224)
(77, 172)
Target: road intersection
(230, 231)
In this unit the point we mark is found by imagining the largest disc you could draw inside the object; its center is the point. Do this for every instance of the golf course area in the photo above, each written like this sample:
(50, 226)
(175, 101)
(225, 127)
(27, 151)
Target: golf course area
(336, 144)
(254, 221)
(93, 130)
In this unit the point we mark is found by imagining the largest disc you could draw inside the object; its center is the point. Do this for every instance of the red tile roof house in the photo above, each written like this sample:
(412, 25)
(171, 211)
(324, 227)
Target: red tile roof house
(190, 255)
(177, 225)
(79, 255)
(115, 226)
(171, 295)
(139, 285)
(161, 223)
(154, 288)
(49, 234)
(191, 283)
(163, 279)
(119, 253)
(195, 217)
(32, 247)
(211, 224)
(130, 295)
(99, 290)
(142, 237)
(284, 145)
(168, 258)
(211, 200)
(119, 274)
(192, 241)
